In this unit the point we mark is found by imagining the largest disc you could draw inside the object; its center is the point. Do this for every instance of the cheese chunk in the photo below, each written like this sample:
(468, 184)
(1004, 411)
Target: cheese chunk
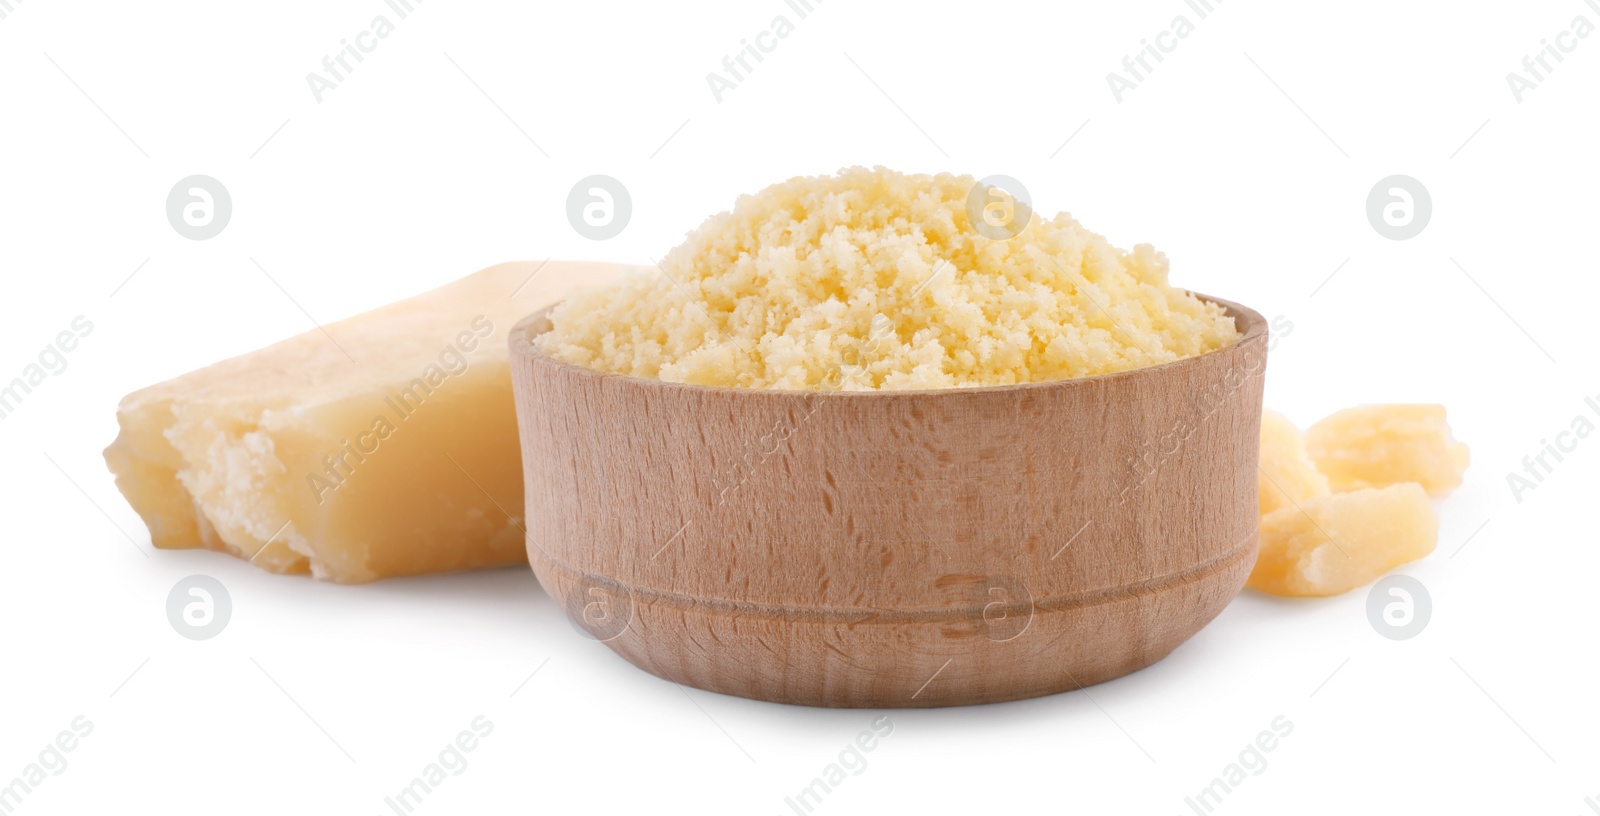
(1287, 476)
(1333, 544)
(381, 445)
(1381, 445)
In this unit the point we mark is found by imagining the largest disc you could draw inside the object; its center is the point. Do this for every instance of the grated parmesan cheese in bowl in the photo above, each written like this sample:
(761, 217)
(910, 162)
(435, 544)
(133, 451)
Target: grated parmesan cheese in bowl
(872, 279)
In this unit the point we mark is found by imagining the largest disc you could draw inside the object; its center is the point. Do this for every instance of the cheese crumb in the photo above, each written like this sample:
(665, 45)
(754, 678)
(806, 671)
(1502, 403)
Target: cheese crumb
(871, 279)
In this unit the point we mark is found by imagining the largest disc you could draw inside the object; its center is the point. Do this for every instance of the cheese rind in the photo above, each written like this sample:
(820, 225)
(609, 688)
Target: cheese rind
(378, 446)
(1287, 476)
(1381, 445)
(1333, 544)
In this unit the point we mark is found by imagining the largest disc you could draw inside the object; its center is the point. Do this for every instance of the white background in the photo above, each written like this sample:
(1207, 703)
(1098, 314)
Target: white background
(1247, 156)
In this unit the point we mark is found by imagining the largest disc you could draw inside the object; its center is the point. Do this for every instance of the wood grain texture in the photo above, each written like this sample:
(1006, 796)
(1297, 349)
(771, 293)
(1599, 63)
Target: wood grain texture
(894, 549)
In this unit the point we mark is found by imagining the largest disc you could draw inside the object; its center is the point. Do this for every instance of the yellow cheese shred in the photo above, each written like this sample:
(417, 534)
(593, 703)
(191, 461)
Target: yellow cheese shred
(873, 279)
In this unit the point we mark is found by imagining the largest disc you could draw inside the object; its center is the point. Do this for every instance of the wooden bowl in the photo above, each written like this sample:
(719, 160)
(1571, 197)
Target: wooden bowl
(893, 549)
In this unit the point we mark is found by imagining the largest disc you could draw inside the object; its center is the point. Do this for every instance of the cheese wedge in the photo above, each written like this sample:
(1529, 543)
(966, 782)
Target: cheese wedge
(378, 446)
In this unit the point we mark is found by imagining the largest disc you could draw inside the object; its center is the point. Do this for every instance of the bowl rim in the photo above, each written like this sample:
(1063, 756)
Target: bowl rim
(1251, 324)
